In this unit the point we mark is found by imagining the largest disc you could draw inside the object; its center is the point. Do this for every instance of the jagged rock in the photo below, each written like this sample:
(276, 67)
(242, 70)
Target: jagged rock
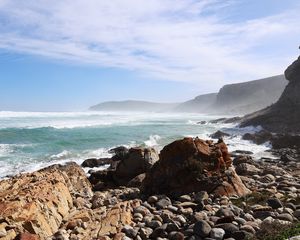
(194, 165)
(38, 202)
(139, 160)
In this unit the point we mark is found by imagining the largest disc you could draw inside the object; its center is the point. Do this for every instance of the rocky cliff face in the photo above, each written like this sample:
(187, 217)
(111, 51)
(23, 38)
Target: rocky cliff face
(37, 203)
(192, 165)
(284, 115)
(250, 96)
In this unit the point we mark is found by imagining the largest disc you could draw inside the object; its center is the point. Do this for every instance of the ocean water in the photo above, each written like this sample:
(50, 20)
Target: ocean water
(32, 140)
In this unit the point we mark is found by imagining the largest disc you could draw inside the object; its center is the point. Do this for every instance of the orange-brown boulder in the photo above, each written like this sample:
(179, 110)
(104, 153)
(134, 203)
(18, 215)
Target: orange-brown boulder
(192, 165)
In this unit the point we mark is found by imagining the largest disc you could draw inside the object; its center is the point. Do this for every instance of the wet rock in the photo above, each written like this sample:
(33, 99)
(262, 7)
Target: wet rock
(219, 134)
(94, 162)
(120, 153)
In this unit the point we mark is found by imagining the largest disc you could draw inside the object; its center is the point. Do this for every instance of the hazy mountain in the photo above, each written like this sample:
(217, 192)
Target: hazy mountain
(239, 98)
(132, 105)
(200, 103)
(246, 97)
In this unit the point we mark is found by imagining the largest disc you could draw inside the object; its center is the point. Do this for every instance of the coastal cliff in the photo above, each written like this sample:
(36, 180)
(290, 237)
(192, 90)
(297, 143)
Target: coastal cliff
(284, 115)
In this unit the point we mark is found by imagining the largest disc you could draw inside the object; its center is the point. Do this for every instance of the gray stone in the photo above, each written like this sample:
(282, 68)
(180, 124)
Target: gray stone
(242, 235)
(129, 231)
(154, 224)
(274, 203)
(159, 232)
(285, 217)
(297, 214)
(202, 228)
(172, 227)
(163, 203)
(176, 236)
(152, 199)
(217, 233)
(145, 233)
(248, 229)
(229, 228)
(185, 198)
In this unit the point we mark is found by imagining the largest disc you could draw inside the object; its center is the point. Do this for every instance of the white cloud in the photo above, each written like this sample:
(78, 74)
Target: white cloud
(180, 40)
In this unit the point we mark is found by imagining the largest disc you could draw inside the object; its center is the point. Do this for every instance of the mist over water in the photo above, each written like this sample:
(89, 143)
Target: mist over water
(32, 140)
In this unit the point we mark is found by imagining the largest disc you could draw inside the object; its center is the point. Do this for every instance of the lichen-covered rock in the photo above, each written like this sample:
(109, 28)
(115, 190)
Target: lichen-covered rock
(193, 165)
(37, 202)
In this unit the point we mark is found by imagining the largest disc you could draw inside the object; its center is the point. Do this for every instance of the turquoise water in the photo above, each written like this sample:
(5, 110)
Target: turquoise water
(29, 141)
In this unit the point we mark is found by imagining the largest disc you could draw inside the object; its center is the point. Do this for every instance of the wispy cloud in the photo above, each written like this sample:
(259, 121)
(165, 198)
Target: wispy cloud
(180, 40)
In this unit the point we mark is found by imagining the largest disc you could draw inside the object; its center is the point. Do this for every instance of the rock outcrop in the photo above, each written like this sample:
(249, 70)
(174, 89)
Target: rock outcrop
(130, 164)
(284, 115)
(138, 161)
(193, 165)
(37, 203)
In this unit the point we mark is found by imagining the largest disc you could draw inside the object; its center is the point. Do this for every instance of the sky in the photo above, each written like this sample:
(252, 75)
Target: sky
(70, 54)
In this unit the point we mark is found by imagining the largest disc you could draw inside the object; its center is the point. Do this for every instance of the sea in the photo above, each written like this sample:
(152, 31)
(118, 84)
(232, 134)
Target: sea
(32, 140)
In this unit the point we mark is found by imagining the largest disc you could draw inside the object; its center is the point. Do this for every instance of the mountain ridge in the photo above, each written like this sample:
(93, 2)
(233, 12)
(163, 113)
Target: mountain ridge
(237, 98)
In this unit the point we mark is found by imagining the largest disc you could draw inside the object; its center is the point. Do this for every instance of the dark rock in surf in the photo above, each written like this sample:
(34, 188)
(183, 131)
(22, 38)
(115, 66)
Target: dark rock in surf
(96, 162)
(219, 134)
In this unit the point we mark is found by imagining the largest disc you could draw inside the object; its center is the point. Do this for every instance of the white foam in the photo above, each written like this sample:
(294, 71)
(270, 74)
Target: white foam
(5, 149)
(152, 141)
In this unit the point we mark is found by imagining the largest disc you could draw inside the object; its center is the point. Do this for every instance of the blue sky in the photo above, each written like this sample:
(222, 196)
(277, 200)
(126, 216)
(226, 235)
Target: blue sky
(71, 54)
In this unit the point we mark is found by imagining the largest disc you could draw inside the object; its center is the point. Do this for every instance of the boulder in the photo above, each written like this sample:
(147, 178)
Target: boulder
(36, 203)
(138, 160)
(194, 165)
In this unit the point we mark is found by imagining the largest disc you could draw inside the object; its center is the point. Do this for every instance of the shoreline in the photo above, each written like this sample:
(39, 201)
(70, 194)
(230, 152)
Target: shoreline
(102, 196)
